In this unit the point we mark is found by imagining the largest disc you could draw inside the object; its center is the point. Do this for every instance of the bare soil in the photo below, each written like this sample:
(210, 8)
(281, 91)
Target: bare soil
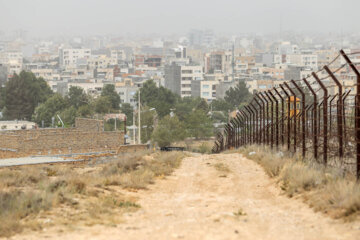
(200, 201)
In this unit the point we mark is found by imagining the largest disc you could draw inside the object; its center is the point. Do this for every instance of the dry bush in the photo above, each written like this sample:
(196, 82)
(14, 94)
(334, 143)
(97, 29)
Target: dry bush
(324, 189)
(297, 177)
(16, 205)
(271, 161)
(221, 167)
(30, 189)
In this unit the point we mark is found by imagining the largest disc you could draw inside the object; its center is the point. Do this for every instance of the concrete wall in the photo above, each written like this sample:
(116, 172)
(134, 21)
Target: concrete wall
(87, 136)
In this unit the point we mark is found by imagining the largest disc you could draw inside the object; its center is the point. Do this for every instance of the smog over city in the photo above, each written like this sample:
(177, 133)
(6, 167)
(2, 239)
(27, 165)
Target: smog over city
(203, 119)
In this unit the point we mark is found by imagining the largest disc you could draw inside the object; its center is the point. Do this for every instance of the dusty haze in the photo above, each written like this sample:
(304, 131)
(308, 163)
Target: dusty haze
(50, 17)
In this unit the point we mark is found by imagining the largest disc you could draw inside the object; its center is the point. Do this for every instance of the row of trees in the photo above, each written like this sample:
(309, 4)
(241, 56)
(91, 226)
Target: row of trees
(165, 117)
(30, 98)
(192, 117)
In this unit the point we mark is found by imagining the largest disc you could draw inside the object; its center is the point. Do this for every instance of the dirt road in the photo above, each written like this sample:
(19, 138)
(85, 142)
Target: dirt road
(199, 202)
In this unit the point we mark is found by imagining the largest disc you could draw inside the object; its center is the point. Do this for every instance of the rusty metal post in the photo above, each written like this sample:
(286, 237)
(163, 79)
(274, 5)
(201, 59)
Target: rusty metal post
(271, 120)
(302, 117)
(241, 126)
(339, 111)
(237, 131)
(344, 115)
(325, 120)
(251, 132)
(254, 110)
(267, 118)
(245, 126)
(330, 112)
(315, 136)
(262, 118)
(357, 112)
(238, 122)
(282, 116)
(288, 116)
(277, 120)
(295, 113)
(259, 117)
(235, 126)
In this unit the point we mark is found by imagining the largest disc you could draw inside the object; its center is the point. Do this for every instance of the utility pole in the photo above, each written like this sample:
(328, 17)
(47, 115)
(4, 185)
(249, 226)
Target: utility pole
(139, 113)
(134, 135)
(233, 61)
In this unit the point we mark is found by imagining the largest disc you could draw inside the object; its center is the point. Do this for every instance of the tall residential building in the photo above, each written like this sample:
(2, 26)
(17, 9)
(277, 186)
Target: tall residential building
(182, 79)
(69, 57)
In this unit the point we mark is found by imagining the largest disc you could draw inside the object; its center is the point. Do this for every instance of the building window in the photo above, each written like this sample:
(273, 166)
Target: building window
(205, 94)
(206, 86)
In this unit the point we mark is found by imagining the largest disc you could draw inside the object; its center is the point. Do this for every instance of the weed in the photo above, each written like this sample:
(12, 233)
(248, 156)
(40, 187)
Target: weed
(221, 167)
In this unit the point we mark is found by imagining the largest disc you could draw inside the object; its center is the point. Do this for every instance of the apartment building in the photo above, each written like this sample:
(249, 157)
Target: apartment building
(305, 60)
(179, 79)
(218, 61)
(13, 60)
(69, 57)
(208, 89)
(100, 61)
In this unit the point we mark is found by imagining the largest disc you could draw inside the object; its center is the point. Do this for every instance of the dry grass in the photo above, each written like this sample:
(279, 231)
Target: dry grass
(324, 189)
(75, 194)
(221, 167)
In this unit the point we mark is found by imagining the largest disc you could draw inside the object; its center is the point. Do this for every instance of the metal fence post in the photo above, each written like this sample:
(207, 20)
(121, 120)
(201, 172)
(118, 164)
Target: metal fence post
(357, 112)
(267, 118)
(259, 133)
(339, 111)
(288, 116)
(282, 116)
(325, 129)
(295, 113)
(262, 118)
(302, 117)
(272, 119)
(315, 137)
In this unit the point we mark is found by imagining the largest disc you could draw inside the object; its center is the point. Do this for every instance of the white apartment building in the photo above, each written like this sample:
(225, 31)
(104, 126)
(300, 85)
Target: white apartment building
(89, 88)
(101, 61)
(118, 55)
(182, 79)
(188, 74)
(69, 57)
(208, 90)
(306, 60)
(13, 61)
(47, 74)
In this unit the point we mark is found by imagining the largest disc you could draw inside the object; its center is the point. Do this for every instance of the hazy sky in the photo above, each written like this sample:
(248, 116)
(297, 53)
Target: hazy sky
(49, 17)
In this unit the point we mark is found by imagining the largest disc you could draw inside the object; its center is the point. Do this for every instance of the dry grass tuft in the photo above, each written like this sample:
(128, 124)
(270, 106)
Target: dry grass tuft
(29, 191)
(324, 189)
(221, 167)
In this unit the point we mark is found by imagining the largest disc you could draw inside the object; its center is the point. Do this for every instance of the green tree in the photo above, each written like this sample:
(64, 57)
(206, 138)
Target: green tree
(85, 111)
(161, 99)
(102, 104)
(237, 95)
(169, 130)
(45, 111)
(199, 125)
(68, 116)
(221, 105)
(186, 105)
(109, 91)
(147, 124)
(77, 97)
(202, 105)
(128, 110)
(2, 97)
(23, 93)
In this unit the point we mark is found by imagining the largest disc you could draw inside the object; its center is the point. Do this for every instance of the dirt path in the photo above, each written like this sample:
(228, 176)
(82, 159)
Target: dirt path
(198, 202)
